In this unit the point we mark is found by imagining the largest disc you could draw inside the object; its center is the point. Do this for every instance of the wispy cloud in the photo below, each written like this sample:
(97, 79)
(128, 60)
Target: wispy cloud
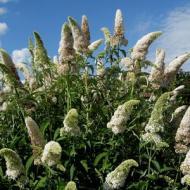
(3, 10)
(3, 28)
(21, 55)
(4, 1)
(176, 34)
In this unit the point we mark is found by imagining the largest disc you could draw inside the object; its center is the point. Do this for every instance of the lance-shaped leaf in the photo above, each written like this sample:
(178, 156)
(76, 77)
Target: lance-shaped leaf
(51, 153)
(94, 45)
(70, 124)
(41, 59)
(10, 68)
(173, 68)
(66, 51)
(116, 179)
(79, 42)
(157, 73)
(14, 164)
(71, 185)
(182, 137)
(119, 120)
(85, 30)
(37, 139)
(141, 47)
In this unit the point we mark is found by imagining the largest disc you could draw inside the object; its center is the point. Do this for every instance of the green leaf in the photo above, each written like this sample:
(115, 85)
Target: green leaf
(41, 183)
(72, 171)
(84, 164)
(99, 157)
(29, 163)
(44, 126)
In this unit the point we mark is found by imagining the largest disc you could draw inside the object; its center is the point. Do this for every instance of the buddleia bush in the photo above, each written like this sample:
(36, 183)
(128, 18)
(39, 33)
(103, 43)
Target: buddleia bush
(93, 119)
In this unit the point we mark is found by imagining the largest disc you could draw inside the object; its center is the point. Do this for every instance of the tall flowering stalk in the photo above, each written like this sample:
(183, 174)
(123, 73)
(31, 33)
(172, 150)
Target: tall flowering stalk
(116, 179)
(79, 41)
(119, 120)
(141, 47)
(185, 168)
(37, 139)
(157, 72)
(118, 37)
(51, 154)
(7, 61)
(71, 185)
(163, 76)
(66, 52)
(156, 123)
(41, 59)
(183, 134)
(70, 124)
(14, 164)
(173, 67)
(85, 30)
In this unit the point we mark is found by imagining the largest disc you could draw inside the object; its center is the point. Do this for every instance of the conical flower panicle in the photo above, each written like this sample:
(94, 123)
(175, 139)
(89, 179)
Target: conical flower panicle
(185, 168)
(41, 59)
(100, 71)
(79, 42)
(141, 47)
(14, 164)
(116, 179)
(178, 114)
(119, 120)
(7, 61)
(66, 51)
(176, 92)
(70, 124)
(51, 153)
(154, 138)
(85, 30)
(157, 73)
(37, 139)
(71, 185)
(182, 137)
(107, 35)
(119, 25)
(94, 45)
(173, 68)
(156, 123)
(118, 38)
(24, 69)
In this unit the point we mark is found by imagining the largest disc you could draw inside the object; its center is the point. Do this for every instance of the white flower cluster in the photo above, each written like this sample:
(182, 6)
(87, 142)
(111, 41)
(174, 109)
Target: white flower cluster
(116, 179)
(71, 185)
(162, 76)
(156, 123)
(141, 47)
(70, 124)
(121, 115)
(51, 153)
(182, 137)
(13, 163)
(37, 139)
(185, 168)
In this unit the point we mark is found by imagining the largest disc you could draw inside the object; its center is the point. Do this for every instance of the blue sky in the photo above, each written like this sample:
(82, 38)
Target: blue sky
(19, 18)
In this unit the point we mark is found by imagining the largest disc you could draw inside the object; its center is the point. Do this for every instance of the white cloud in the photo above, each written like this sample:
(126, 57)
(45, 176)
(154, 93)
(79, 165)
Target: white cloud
(3, 28)
(176, 34)
(4, 1)
(21, 56)
(3, 11)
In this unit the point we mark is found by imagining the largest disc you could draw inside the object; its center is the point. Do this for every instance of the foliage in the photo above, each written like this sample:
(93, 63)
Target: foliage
(71, 102)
